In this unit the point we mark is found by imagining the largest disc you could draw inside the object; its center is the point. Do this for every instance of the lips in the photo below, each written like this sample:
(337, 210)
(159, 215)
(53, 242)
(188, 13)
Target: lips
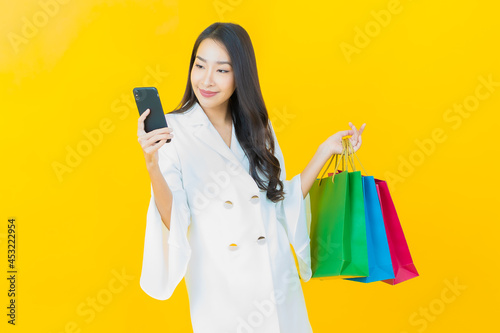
(207, 93)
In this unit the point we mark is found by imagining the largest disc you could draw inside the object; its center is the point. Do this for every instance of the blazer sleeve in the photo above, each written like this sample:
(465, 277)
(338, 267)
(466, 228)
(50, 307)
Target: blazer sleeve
(293, 213)
(166, 252)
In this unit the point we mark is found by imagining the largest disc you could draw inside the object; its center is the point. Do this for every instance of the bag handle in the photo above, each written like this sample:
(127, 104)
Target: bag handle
(337, 162)
(342, 157)
(352, 152)
(349, 159)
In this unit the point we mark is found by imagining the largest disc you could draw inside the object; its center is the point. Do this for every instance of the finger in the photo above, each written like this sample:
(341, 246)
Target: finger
(355, 135)
(143, 115)
(358, 144)
(354, 138)
(164, 130)
(355, 142)
(346, 132)
(152, 149)
(362, 128)
(140, 122)
(157, 137)
(146, 138)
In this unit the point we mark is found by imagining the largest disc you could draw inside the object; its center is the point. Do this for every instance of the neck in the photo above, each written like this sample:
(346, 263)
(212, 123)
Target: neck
(219, 115)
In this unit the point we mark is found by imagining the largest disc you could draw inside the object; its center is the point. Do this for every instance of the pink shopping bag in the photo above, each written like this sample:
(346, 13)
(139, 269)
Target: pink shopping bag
(402, 263)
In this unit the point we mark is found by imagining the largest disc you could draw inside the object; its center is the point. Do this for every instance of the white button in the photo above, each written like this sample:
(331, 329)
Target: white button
(261, 240)
(254, 199)
(233, 247)
(228, 204)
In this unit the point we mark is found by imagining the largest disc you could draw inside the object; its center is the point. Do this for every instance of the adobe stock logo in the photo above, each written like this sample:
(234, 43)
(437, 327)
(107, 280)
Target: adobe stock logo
(90, 139)
(220, 181)
(31, 27)
(421, 319)
(281, 118)
(454, 116)
(372, 29)
(97, 302)
(265, 308)
(223, 6)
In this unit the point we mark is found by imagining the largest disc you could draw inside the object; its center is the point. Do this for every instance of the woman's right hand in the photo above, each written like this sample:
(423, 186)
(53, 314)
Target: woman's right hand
(148, 140)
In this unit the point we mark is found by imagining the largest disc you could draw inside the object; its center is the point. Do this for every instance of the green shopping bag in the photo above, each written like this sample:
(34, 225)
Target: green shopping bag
(338, 229)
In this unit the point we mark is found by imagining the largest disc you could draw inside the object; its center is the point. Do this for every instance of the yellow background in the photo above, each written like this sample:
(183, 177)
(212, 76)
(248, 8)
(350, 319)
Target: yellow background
(74, 74)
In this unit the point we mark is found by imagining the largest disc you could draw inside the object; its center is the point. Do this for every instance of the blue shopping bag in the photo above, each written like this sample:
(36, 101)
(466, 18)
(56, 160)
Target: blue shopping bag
(379, 256)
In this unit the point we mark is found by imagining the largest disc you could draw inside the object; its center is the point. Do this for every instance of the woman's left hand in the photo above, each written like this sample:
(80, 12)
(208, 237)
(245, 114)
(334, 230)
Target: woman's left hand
(334, 142)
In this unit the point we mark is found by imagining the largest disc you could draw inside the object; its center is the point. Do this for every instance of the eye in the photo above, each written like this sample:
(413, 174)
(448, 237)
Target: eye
(222, 70)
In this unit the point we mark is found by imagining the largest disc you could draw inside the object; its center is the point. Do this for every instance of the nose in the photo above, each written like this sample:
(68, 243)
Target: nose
(207, 79)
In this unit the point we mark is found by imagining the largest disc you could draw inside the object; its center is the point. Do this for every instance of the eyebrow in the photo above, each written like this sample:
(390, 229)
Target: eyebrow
(219, 62)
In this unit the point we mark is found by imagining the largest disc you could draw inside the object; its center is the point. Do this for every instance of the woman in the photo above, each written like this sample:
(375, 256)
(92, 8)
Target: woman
(222, 214)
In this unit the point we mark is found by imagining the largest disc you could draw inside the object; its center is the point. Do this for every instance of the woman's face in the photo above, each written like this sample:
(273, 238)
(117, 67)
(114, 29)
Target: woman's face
(213, 73)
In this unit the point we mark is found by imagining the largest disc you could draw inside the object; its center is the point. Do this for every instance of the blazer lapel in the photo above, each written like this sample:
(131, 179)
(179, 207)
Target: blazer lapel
(203, 129)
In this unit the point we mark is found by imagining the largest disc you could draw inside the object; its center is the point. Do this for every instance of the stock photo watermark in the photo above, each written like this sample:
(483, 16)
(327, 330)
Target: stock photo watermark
(12, 270)
(220, 180)
(266, 307)
(223, 6)
(92, 138)
(30, 26)
(425, 315)
(372, 29)
(88, 309)
(454, 117)
(280, 118)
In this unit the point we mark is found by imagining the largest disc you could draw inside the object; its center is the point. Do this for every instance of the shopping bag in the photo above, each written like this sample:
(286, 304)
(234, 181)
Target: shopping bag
(379, 256)
(402, 263)
(338, 231)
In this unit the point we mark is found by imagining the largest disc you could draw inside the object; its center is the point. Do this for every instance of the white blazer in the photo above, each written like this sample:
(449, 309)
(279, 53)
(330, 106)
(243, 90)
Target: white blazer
(229, 242)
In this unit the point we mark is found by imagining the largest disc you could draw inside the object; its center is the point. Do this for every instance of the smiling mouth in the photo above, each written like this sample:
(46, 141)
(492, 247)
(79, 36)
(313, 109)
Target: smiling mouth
(207, 93)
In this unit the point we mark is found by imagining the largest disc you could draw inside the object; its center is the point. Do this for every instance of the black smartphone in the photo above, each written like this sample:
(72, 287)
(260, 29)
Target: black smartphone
(148, 98)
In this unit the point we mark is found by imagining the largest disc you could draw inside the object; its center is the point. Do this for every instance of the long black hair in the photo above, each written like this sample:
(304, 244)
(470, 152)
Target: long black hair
(246, 104)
